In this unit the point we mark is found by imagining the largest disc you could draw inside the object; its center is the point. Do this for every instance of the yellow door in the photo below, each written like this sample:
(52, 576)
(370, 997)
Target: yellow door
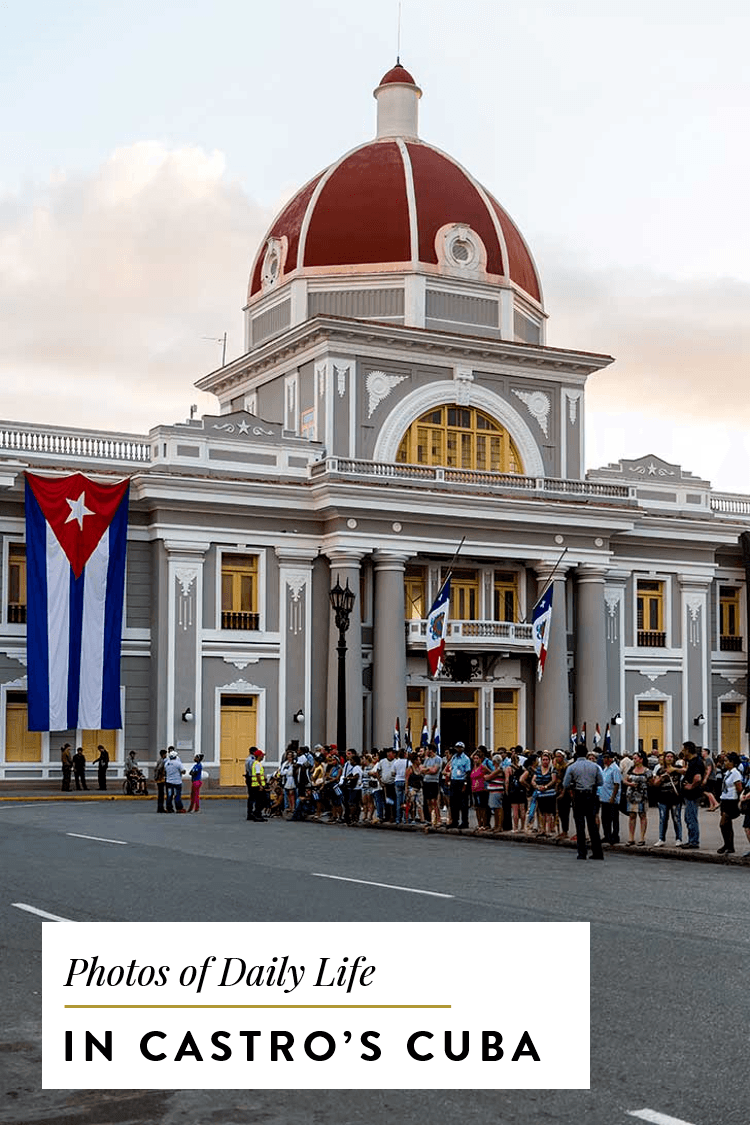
(238, 734)
(415, 711)
(21, 744)
(506, 718)
(651, 727)
(730, 727)
(91, 739)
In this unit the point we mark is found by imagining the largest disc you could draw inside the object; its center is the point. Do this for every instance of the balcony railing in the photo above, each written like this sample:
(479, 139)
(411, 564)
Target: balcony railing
(513, 482)
(16, 614)
(650, 638)
(239, 619)
(507, 632)
(730, 644)
(71, 443)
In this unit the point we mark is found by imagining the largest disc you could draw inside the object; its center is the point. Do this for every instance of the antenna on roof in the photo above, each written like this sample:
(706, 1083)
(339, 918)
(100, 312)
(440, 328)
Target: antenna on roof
(398, 41)
(219, 340)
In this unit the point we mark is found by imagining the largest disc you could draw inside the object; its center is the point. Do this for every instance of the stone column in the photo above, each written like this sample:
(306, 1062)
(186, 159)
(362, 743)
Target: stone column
(614, 600)
(696, 664)
(184, 661)
(345, 565)
(552, 698)
(389, 647)
(295, 633)
(591, 652)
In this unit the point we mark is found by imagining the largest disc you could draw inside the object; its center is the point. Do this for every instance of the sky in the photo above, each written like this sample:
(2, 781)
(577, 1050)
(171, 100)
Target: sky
(147, 147)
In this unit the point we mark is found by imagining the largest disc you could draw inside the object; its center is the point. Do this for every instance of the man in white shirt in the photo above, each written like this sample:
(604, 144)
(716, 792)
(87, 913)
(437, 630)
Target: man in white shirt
(173, 771)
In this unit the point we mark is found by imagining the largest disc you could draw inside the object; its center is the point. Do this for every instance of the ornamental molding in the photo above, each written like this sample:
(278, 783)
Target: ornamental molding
(379, 385)
(296, 581)
(240, 687)
(653, 470)
(243, 429)
(573, 398)
(241, 662)
(342, 369)
(730, 678)
(538, 405)
(320, 378)
(463, 378)
(20, 655)
(21, 682)
(443, 393)
(652, 693)
(186, 576)
(694, 604)
(653, 674)
(732, 697)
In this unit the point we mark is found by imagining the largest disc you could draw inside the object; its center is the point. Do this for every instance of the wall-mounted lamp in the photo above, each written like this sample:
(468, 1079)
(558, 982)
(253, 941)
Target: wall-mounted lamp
(299, 716)
(616, 720)
(700, 720)
(187, 715)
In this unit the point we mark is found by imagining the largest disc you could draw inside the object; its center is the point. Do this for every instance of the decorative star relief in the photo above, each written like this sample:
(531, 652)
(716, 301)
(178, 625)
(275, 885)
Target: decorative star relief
(78, 510)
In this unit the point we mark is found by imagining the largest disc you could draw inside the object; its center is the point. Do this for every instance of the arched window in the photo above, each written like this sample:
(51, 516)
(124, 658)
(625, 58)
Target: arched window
(459, 437)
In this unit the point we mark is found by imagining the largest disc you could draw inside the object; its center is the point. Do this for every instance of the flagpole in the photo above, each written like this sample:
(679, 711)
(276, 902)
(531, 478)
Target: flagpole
(548, 584)
(450, 567)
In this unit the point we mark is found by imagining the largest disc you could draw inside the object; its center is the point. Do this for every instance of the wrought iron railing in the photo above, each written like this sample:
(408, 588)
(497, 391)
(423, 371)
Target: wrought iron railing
(730, 644)
(239, 619)
(651, 638)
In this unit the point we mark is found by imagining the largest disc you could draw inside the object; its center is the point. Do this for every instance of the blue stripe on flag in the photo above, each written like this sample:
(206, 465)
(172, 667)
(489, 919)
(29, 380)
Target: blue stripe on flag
(74, 646)
(113, 610)
(37, 646)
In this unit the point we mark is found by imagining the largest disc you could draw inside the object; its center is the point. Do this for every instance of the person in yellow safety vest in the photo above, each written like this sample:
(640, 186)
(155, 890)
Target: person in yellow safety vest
(255, 780)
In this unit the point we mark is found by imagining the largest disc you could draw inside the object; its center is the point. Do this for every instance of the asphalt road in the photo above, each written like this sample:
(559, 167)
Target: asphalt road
(669, 946)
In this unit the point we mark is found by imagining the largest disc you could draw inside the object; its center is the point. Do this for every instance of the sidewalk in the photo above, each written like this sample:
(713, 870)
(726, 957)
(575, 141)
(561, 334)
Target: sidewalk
(44, 791)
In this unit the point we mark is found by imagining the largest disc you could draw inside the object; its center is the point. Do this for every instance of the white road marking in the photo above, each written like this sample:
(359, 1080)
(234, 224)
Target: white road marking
(388, 886)
(101, 839)
(655, 1117)
(3, 807)
(41, 913)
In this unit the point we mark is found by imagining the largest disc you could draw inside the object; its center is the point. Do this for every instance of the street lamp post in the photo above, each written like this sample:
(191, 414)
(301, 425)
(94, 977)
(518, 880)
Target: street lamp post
(342, 603)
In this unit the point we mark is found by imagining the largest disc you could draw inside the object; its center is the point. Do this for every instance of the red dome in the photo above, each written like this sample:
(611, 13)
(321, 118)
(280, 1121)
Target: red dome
(380, 208)
(398, 73)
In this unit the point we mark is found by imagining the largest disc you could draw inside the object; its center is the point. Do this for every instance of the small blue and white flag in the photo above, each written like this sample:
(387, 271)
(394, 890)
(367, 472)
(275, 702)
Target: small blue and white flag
(541, 618)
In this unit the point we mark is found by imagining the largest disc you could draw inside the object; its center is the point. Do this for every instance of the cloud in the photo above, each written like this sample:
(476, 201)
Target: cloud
(682, 354)
(682, 348)
(109, 281)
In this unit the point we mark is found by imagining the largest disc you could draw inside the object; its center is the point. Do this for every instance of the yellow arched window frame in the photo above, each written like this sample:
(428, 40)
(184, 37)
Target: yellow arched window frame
(459, 437)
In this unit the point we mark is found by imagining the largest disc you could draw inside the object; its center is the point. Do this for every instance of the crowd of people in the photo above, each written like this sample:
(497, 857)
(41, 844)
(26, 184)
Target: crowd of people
(509, 791)
(506, 791)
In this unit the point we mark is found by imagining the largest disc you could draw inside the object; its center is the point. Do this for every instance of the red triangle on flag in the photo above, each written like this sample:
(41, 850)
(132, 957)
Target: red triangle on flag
(78, 510)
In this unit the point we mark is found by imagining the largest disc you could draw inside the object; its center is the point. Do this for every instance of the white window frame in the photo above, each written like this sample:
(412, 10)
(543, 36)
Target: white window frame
(260, 553)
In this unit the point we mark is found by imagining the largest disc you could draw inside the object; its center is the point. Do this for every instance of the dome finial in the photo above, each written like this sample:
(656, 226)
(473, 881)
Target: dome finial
(398, 97)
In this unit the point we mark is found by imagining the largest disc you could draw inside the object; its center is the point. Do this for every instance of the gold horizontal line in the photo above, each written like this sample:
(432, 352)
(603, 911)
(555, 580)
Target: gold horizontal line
(257, 1005)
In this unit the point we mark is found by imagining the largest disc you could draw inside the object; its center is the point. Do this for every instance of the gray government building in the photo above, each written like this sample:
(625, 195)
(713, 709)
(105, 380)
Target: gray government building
(395, 394)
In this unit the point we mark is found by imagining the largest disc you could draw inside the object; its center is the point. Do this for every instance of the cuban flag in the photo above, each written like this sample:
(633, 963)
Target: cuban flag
(597, 737)
(76, 534)
(437, 628)
(397, 736)
(541, 618)
(436, 736)
(607, 740)
(407, 735)
(425, 739)
(574, 737)
(582, 739)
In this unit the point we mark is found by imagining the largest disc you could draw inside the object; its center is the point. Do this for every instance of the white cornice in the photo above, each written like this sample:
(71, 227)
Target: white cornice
(421, 345)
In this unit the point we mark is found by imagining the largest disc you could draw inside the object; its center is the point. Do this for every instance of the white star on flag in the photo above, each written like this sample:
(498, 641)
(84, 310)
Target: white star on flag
(78, 510)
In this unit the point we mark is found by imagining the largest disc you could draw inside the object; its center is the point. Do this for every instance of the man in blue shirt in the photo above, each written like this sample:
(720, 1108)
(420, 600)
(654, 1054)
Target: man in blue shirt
(609, 796)
(459, 798)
